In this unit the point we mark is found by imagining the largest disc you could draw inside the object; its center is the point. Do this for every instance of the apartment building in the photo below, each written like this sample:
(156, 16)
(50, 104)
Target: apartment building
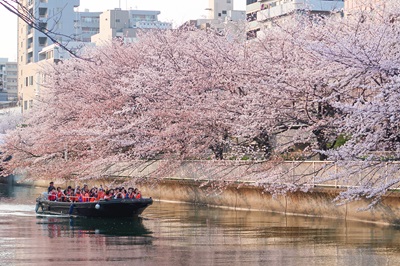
(61, 22)
(220, 15)
(8, 80)
(126, 24)
(74, 30)
(262, 13)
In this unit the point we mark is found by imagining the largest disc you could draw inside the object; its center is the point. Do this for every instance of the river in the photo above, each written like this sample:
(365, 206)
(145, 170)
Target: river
(185, 234)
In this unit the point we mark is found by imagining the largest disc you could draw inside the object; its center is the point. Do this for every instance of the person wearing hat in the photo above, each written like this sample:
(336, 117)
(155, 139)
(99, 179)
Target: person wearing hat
(51, 187)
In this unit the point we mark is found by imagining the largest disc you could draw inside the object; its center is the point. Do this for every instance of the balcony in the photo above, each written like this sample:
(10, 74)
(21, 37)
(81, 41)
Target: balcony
(253, 7)
(268, 11)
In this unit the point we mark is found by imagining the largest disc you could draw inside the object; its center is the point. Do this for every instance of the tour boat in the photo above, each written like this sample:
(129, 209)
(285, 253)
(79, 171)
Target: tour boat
(113, 208)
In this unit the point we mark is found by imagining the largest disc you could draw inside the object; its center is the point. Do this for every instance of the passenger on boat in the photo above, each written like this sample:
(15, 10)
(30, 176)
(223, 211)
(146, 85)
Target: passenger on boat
(52, 195)
(139, 195)
(100, 194)
(85, 196)
(135, 193)
(69, 192)
(51, 187)
(129, 194)
(109, 194)
(60, 195)
(118, 194)
(85, 190)
(78, 196)
(93, 194)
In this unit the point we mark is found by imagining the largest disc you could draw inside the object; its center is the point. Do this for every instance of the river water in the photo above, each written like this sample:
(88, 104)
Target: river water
(184, 234)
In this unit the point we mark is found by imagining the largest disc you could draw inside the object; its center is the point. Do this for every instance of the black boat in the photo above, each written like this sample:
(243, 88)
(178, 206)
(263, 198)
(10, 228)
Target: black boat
(113, 208)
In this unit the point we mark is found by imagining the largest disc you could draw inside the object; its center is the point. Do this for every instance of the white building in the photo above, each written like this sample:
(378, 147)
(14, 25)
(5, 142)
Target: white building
(126, 24)
(261, 13)
(218, 9)
(220, 15)
(61, 22)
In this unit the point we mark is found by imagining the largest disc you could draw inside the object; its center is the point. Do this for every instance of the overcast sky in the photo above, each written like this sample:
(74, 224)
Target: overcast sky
(175, 11)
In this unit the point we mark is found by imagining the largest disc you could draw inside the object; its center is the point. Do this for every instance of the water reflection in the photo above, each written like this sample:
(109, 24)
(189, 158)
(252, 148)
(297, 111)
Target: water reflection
(59, 226)
(183, 234)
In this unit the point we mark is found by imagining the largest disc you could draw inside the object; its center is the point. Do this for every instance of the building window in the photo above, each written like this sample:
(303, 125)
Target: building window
(252, 34)
(30, 104)
(31, 80)
(42, 26)
(25, 105)
(117, 20)
(26, 82)
(224, 12)
(42, 41)
(42, 12)
(228, 1)
(251, 16)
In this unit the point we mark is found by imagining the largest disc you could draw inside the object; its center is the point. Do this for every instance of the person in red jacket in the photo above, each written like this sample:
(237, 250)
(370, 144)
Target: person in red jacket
(79, 197)
(69, 193)
(100, 194)
(60, 194)
(52, 195)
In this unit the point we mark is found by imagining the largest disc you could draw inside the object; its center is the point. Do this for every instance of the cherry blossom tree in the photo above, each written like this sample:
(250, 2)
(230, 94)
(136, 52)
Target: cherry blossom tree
(370, 55)
(324, 86)
(135, 101)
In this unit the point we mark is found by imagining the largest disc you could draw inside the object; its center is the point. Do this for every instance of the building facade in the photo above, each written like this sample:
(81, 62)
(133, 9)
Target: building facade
(218, 9)
(8, 80)
(75, 31)
(126, 24)
(60, 21)
(262, 13)
(220, 15)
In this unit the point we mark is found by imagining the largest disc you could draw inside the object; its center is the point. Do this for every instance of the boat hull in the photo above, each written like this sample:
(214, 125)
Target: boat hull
(104, 208)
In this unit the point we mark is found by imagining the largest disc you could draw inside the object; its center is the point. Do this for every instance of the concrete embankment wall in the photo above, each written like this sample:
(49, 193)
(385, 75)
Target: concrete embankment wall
(318, 201)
